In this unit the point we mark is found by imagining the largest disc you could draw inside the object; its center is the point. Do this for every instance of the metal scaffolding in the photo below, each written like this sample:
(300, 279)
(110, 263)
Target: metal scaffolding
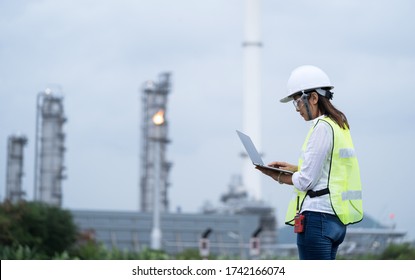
(154, 139)
(14, 190)
(49, 148)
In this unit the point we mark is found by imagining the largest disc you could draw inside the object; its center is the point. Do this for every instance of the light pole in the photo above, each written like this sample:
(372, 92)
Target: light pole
(158, 121)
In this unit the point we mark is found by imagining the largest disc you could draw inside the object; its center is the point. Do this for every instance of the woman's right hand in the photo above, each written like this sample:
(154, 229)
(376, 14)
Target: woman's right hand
(284, 165)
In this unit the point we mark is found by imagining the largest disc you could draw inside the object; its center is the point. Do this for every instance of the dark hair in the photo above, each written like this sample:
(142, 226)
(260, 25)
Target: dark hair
(327, 108)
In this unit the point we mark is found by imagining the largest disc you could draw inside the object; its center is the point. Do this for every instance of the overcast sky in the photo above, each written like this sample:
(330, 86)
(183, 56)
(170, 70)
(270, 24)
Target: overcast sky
(101, 52)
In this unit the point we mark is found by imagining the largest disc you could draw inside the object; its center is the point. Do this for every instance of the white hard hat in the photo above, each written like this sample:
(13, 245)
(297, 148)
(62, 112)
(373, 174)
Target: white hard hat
(306, 77)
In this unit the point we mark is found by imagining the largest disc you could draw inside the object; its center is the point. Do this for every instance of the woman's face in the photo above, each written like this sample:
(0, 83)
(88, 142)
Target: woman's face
(300, 106)
(302, 109)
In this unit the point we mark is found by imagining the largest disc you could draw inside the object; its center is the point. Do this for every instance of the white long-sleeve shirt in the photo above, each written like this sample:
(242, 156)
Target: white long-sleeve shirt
(315, 168)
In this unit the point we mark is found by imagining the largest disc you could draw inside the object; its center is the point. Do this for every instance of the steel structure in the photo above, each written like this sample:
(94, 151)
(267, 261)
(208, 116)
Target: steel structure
(14, 190)
(154, 140)
(237, 202)
(49, 148)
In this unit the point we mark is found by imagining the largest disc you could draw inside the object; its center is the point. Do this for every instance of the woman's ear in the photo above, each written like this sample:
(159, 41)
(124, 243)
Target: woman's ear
(314, 98)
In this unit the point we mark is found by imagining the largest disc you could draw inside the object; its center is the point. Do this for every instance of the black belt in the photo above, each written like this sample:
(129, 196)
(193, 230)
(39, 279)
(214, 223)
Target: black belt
(318, 193)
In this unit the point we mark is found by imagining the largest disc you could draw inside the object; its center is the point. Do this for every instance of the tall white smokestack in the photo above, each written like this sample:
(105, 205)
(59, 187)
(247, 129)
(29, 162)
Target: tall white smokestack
(252, 93)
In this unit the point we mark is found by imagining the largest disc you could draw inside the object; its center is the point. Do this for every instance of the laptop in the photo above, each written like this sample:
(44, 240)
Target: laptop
(254, 155)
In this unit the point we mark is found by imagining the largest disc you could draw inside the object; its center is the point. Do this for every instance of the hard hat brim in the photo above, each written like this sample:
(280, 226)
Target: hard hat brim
(291, 96)
(287, 98)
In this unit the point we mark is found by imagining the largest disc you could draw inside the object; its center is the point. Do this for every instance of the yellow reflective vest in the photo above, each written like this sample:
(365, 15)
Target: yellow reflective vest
(345, 188)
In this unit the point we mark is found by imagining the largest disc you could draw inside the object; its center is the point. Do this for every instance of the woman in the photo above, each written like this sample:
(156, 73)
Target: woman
(327, 187)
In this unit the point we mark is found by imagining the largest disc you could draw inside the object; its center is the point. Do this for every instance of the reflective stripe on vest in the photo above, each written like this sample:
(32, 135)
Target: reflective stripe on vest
(343, 182)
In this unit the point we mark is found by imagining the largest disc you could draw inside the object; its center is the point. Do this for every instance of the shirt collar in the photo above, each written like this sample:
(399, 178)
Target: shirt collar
(318, 118)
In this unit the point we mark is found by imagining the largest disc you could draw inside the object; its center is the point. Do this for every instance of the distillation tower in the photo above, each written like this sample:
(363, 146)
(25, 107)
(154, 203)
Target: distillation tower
(14, 190)
(154, 140)
(49, 148)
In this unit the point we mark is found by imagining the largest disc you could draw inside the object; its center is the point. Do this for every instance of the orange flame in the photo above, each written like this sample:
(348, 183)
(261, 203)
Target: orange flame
(158, 118)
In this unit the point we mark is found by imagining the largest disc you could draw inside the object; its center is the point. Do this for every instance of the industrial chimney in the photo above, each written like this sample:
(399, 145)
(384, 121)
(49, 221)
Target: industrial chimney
(252, 94)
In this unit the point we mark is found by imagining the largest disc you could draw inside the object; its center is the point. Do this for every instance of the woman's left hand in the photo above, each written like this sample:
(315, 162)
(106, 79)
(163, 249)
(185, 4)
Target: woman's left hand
(272, 173)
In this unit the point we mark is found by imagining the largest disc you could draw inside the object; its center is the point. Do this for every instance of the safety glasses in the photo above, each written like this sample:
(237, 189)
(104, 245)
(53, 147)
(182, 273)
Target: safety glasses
(298, 103)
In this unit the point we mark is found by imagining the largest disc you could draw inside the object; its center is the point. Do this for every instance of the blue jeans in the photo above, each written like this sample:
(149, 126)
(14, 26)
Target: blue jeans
(322, 235)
